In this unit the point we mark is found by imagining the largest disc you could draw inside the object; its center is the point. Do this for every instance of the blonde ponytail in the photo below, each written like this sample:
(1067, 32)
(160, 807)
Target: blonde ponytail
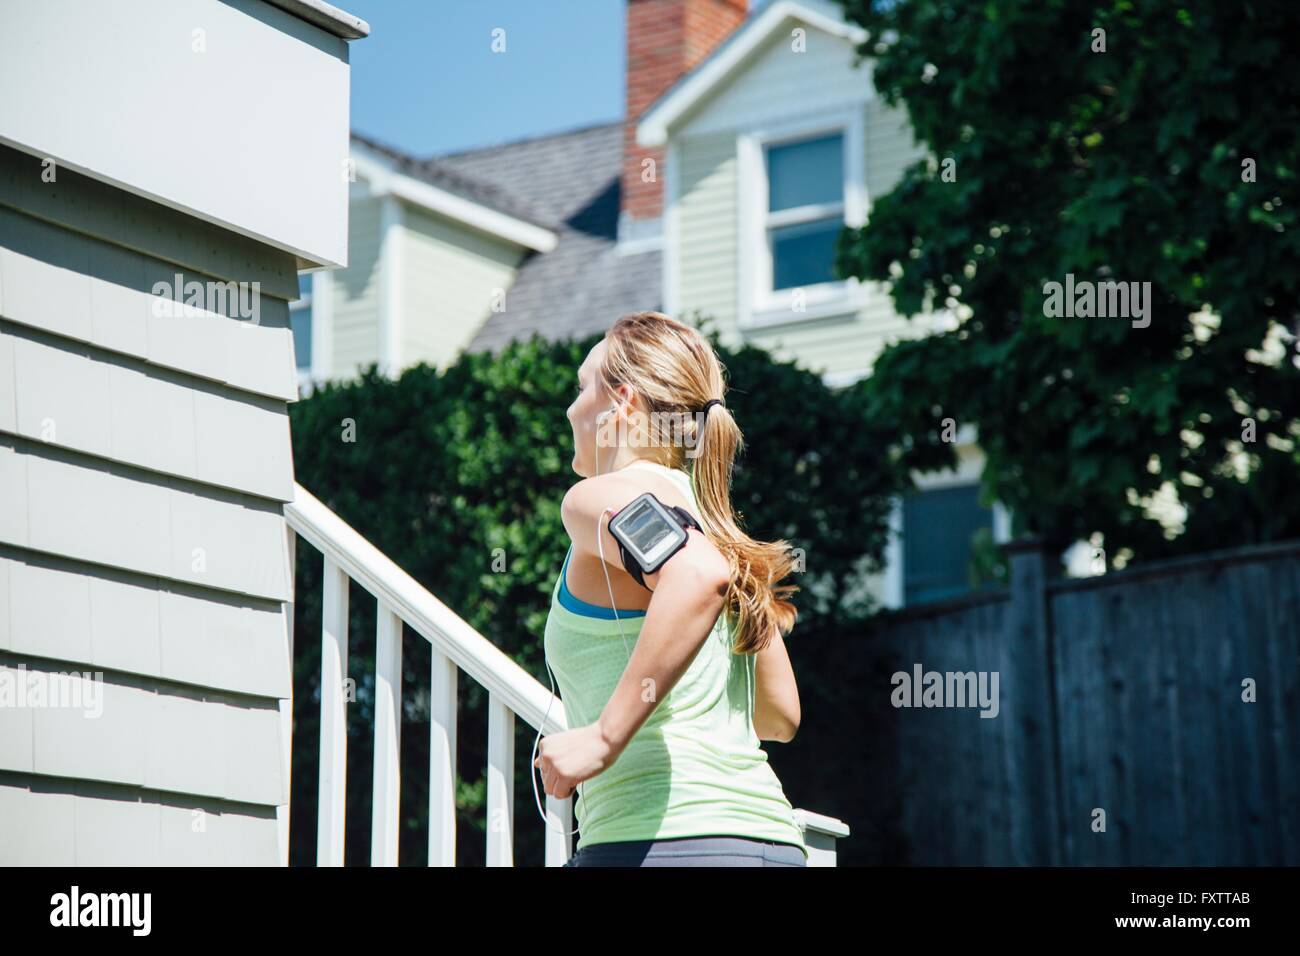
(673, 368)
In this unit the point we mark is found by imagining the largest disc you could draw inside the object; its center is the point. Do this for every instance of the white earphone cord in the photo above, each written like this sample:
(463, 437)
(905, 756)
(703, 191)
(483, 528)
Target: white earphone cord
(600, 545)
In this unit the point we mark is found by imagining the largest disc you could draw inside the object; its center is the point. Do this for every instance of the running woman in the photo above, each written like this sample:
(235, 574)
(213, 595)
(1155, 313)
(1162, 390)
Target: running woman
(668, 700)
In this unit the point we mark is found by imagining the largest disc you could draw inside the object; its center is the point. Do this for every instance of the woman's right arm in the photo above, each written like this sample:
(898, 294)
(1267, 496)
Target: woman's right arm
(689, 593)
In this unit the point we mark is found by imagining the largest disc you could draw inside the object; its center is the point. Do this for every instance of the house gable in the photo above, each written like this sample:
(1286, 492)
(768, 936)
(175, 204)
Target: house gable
(777, 80)
(791, 75)
(774, 26)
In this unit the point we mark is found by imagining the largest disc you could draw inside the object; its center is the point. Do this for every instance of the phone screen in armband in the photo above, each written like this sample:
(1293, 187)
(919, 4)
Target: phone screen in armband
(649, 532)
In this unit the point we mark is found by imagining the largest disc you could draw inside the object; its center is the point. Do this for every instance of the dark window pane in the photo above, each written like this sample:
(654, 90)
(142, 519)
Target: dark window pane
(804, 254)
(811, 171)
(937, 529)
(304, 284)
(300, 319)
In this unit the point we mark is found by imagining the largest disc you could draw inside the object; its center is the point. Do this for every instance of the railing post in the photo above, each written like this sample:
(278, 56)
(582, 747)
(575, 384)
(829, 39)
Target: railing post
(559, 821)
(1035, 826)
(442, 760)
(333, 717)
(500, 783)
(821, 835)
(385, 820)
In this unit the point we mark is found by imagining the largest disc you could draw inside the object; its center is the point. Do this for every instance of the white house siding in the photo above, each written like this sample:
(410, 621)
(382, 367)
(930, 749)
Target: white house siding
(451, 276)
(778, 86)
(356, 291)
(706, 247)
(144, 461)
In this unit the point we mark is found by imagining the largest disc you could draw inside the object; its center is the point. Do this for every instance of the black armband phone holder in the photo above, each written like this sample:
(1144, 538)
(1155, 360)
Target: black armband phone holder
(648, 533)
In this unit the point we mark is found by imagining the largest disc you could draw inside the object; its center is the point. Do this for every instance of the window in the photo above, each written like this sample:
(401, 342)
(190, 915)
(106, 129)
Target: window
(300, 320)
(805, 209)
(800, 184)
(938, 528)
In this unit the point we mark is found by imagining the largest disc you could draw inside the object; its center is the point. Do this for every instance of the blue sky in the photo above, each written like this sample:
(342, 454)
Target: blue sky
(426, 79)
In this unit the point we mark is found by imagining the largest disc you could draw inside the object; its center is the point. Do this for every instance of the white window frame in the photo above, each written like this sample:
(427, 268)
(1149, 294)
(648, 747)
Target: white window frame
(318, 300)
(758, 305)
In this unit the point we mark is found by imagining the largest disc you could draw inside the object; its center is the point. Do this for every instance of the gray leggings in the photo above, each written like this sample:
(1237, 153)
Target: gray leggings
(690, 851)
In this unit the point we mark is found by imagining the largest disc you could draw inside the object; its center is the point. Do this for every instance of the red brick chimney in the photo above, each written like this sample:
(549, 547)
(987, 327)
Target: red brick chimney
(665, 39)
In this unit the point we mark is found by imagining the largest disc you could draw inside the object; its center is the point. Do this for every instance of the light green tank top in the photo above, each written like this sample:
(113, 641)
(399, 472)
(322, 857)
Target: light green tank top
(695, 768)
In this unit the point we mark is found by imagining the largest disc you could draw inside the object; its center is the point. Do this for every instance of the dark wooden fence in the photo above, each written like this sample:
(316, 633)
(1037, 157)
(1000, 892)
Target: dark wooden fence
(1122, 701)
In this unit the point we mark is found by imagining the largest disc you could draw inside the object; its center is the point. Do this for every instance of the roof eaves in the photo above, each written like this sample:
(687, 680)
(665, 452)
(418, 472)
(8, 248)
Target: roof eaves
(327, 17)
(419, 185)
(436, 173)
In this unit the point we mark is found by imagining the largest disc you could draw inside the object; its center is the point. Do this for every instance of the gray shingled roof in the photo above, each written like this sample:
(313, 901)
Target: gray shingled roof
(462, 183)
(583, 285)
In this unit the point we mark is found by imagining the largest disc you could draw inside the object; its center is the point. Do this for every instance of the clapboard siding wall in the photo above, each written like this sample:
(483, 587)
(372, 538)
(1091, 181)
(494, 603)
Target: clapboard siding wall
(1119, 695)
(144, 463)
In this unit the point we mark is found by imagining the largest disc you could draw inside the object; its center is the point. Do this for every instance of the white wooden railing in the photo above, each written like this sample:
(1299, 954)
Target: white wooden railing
(513, 692)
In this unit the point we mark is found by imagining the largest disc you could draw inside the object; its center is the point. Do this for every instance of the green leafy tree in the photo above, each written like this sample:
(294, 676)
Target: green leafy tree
(1140, 141)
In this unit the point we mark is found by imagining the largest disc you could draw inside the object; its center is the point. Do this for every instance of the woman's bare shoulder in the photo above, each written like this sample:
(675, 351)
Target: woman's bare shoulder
(587, 501)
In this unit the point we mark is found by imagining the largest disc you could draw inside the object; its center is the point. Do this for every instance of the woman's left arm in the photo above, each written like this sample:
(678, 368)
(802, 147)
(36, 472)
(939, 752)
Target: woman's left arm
(776, 694)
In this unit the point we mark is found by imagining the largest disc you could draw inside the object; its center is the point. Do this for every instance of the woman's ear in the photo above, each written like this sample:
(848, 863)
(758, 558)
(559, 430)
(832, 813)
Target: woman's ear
(622, 398)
